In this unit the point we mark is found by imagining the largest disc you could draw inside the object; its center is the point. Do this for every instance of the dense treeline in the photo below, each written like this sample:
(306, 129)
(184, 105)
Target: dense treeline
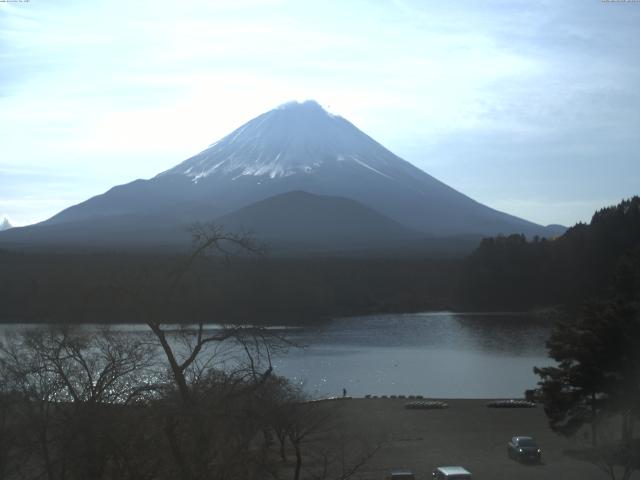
(587, 261)
(503, 273)
(37, 287)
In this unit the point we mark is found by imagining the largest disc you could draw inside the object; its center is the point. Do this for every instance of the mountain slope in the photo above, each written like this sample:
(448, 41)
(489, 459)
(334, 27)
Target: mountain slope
(296, 147)
(132, 231)
(302, 147)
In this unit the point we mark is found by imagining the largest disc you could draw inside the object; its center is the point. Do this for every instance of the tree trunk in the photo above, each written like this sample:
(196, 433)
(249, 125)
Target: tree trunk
(176, 452)
(594, 433)
(282, 438)
(296, 475)
(44, 444)
(178, 373)
(627, 427)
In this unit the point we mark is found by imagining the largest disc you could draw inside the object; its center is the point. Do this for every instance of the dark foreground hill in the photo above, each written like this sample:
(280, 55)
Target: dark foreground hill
(302, 221)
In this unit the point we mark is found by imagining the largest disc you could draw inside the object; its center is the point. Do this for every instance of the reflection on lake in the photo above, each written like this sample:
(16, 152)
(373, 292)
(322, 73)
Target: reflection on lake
(439, 354)
(436, 354)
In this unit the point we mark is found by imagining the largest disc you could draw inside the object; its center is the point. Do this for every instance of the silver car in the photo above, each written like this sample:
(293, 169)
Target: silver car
(451, 473)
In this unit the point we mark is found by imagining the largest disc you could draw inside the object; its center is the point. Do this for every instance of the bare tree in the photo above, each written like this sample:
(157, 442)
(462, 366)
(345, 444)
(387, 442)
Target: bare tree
(342, 456)
(100, 404)
(9, 431)
(208, 239)
(217, 372)
(67, 383)
(323, 449)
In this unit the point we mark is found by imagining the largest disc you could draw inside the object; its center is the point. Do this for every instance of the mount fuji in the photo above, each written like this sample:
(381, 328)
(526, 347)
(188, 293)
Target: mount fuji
(289, 169)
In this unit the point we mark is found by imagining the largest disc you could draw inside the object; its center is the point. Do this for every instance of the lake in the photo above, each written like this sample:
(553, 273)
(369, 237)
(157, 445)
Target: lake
(435, 354)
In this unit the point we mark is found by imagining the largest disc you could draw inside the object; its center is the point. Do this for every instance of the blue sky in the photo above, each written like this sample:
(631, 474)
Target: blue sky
(531, 107)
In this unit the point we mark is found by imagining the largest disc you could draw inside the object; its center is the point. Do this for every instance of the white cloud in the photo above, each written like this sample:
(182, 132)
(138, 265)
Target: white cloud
(111, 94)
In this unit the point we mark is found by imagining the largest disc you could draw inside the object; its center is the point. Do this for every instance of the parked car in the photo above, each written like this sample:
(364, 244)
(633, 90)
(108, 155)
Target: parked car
(524, 448)
(400, 474)
(451, 473)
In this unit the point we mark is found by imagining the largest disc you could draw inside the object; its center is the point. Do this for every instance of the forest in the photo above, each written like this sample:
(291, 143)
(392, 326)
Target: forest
(589, 261)
(88, 288)
(508, 273)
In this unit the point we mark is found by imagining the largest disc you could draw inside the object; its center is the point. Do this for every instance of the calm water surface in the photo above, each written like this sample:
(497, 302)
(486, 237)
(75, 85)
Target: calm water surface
(440, 354)
(436, 354)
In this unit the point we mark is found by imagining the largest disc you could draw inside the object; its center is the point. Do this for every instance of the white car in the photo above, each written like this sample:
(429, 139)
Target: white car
(451, 473)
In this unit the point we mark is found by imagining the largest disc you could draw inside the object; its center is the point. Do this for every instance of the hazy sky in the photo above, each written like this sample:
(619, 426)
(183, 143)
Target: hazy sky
(531, 107)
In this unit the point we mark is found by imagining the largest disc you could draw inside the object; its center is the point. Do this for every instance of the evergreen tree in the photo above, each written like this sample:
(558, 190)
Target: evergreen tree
(598, 371)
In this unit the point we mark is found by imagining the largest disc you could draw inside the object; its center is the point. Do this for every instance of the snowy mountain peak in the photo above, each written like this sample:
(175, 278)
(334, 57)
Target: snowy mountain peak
(5, 225)
(309, 105)
(296, 138)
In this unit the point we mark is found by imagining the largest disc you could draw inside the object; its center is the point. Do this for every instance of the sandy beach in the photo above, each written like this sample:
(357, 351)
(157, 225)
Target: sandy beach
(467, 434)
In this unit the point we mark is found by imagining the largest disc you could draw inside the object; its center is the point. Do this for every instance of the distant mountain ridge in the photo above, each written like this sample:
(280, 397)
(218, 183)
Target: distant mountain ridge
(297, 147)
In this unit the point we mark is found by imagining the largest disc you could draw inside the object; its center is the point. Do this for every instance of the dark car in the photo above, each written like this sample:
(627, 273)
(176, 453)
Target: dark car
(400, 474)
(524, 449)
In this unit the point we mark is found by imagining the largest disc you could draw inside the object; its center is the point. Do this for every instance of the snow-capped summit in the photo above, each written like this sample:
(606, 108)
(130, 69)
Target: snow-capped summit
(5, 225)
(301, 146)
(294, 138)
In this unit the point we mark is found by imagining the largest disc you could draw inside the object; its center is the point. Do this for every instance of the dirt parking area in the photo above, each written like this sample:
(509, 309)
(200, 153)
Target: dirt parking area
(467, 434)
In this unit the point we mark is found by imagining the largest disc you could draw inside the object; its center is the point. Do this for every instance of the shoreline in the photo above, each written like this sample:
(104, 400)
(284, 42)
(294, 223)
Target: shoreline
(467, 434)
(550, 313)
